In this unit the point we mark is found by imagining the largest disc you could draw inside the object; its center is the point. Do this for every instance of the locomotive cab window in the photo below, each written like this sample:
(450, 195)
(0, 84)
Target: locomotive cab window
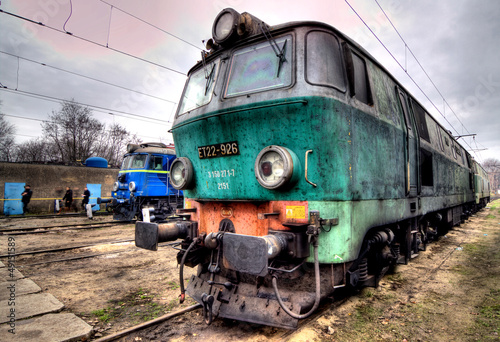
(260, 67)
(324, 62)
(199, 88)
(139, 161)
(357, 75)
(156, 163)
(126, 162)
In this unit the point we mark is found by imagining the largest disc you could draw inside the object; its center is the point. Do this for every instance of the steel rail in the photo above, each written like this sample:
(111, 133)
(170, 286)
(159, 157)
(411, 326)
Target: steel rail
(148, 324)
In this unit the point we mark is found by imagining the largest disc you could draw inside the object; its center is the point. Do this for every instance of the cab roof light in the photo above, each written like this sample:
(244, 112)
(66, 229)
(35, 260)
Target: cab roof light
(229, 26)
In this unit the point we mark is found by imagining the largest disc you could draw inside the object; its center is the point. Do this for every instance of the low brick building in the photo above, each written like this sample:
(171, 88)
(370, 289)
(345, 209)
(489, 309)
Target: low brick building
(49, 182)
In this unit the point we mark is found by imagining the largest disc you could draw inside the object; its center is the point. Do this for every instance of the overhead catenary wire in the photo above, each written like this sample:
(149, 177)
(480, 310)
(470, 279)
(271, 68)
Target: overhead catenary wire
(407, 47)
(96, 108)
(91, 41)
(403, 68)
(154, 26)
(41, 120)
(87, 77)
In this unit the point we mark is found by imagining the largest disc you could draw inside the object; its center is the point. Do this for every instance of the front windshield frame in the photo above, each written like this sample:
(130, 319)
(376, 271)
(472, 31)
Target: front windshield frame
(277, 73)
(199, 88)
(130, 162)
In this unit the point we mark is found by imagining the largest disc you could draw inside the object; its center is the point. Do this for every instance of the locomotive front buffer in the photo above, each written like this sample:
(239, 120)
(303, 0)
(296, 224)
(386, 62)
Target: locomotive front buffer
(238, 274)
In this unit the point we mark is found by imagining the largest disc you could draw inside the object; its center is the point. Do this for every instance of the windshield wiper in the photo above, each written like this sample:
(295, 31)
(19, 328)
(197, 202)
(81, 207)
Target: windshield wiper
(280, 53)
(209, 76)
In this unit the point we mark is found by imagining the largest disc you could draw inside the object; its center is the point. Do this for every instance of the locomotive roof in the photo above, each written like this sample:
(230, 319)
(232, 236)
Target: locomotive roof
(169, 151)
(278, 29)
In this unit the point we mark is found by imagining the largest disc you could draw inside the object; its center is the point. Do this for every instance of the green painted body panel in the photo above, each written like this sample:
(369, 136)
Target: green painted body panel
(355, 155)
(342, 243)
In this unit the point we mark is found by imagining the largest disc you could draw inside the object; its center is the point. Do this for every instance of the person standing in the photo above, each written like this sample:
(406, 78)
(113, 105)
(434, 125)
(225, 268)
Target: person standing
(68, 198)
(86, 197)
(26, 197)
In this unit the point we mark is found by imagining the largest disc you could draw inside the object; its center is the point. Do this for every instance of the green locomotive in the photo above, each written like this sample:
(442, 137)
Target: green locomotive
(306, 167)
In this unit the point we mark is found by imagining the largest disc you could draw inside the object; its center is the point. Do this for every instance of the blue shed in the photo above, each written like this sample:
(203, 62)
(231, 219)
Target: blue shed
(96, 162)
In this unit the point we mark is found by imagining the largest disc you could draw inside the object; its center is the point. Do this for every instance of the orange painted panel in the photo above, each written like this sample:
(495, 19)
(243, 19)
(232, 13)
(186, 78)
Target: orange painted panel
(247, 217)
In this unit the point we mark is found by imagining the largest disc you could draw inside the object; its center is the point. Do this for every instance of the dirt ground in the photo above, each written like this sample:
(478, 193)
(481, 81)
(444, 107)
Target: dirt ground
(451, 292)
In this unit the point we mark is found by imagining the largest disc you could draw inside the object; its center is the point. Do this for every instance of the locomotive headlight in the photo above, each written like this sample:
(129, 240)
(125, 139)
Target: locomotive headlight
(115, 186)
(225, 26)
(276, 167)
(131, 186)
(181, 173)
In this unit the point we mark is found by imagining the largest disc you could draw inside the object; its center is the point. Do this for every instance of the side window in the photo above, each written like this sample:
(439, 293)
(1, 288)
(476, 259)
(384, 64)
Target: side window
(420, 118)
(440, 138)
(324, 64)
(156, 163)
(426, 168)
(357, 75)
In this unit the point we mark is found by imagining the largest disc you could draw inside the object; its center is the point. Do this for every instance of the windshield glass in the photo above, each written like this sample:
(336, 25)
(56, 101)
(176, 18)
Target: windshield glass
(126, 162)
(200, 87)
(258, 67)
(135, 161)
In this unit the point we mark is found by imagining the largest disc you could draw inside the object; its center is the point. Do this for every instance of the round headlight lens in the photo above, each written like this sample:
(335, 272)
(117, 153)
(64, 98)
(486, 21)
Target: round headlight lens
(181, 173)
(225, 26)
(131, 186)
(115, 186)
(274, 167)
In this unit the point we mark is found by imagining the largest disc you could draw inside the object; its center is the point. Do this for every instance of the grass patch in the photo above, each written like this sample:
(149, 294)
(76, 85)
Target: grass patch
(461, 269)
(104, 315)
(397, 279)
(490, 217)
(487, 324)
(172, 285)
(139, 304)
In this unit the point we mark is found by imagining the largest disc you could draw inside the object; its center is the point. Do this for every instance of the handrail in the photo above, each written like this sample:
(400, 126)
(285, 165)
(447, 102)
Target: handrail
(307, 180)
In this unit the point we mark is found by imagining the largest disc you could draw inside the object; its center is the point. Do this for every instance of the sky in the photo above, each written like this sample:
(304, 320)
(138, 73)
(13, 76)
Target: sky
(127, 60)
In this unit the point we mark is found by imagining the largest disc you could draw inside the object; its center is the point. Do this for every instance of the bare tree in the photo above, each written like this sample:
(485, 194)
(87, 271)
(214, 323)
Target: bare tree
(35, 151)
(73, 131)
(7, 142)
(492, 166)
(112, 144)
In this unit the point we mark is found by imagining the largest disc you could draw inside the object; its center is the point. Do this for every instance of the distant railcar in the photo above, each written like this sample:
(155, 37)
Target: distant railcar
(306, 167)
(143, 183)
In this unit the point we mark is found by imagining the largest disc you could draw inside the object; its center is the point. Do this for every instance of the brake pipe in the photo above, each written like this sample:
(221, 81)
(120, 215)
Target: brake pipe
(318, 287)
(182, 296)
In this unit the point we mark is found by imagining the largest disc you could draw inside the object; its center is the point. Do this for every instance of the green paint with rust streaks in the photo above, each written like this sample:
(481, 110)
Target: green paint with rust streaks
(355, 155)
(357, 161)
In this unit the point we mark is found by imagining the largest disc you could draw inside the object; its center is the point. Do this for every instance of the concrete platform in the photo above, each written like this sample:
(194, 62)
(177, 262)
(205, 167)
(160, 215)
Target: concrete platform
(6, 275)
(27, 315)
(21, 287)
(30, 305)
(51, 327)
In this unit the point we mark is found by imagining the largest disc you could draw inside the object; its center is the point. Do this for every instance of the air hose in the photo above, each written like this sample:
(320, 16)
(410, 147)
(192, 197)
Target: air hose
(318, 288)
(181, 271)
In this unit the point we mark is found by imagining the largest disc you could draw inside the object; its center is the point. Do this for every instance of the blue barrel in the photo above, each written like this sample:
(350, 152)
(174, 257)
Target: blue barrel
(96, 162)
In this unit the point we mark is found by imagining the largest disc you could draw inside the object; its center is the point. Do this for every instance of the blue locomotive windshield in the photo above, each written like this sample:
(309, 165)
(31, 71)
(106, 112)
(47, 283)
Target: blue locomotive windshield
(260, 67)
(135, 161)
(199, 88)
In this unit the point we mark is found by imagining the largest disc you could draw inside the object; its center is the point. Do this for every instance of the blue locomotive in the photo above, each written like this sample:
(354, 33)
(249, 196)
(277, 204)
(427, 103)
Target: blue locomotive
(143, 183)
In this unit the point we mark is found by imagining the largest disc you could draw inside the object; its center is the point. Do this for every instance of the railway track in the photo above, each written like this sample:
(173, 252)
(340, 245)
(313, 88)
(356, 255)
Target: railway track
(72, 248)
(341, 298)
(49, 216)
(46, 229)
